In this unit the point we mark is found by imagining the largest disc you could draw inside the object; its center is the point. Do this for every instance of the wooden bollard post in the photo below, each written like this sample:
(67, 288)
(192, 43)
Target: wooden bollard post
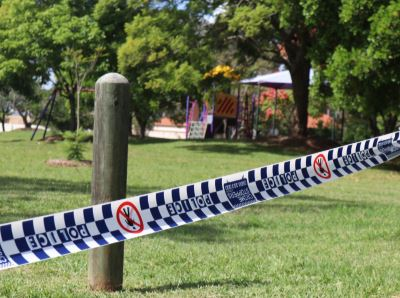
(110, 155)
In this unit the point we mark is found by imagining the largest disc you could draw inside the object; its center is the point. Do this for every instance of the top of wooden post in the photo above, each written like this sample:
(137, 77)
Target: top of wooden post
(112, 78)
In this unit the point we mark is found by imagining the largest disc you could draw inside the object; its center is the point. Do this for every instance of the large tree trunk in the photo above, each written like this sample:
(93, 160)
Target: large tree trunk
(142, 126)
(72, 104)
(300, 79)
(142, 131)
(24, 116)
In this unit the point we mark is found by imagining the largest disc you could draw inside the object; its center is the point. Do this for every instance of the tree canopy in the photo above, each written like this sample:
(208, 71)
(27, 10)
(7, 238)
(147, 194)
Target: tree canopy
(38, 39)
(165, 47)
(164, 59)
(364, 75)
(290, 32)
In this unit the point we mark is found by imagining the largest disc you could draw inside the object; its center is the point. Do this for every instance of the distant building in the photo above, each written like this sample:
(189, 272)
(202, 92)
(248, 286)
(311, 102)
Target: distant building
(13, 122)
(166, 128)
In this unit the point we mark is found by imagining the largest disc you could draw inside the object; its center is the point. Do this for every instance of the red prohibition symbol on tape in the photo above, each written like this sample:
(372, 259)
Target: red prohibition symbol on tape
(321, 167)
(129, 218)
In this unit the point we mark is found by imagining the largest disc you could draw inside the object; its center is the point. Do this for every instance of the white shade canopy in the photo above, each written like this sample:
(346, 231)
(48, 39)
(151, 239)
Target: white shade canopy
(277, 80)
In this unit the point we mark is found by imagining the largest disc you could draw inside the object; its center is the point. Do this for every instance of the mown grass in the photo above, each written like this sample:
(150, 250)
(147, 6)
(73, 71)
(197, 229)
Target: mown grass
(339, 239)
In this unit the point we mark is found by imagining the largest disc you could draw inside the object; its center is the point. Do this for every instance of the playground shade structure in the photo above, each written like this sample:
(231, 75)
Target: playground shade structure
(276, 80)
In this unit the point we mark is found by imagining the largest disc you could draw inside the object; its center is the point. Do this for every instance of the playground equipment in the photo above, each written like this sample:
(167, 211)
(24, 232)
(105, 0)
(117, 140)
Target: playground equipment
(236, 116)
(196, 121)
(227, 116)
(50, 103)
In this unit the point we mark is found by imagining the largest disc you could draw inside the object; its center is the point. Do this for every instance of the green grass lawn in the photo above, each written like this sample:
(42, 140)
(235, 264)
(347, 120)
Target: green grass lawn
(338, 239)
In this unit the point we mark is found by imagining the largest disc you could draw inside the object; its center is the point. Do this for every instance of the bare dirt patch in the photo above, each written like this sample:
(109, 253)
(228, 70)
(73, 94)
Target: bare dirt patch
(64, 163)
(52, 139)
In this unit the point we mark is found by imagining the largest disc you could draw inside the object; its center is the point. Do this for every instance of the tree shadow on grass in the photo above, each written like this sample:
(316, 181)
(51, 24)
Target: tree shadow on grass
(224, 147)
(33, 185)
(234, 149)
(22, 198)
(242, 283)
(199, 232)
(312, 204)
(12, 141)
(149, 141)
(26, 186)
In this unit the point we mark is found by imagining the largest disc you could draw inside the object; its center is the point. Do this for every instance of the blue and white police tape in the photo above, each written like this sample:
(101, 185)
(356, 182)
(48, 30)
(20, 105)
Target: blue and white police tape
(28, 241)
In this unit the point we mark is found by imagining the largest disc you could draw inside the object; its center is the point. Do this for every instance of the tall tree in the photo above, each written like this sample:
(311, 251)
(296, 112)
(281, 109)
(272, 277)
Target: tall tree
(111, 17)
(364, 70)
(37, 37)
(164, 58)
(82, 67)
(290, 32)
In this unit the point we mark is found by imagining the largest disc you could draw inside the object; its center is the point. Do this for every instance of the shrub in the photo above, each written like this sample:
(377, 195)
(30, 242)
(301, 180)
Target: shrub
(75, 147)
(75, 150)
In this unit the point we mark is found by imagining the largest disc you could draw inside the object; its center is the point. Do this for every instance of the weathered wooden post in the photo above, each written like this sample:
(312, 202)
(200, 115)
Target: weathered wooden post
(110, 155)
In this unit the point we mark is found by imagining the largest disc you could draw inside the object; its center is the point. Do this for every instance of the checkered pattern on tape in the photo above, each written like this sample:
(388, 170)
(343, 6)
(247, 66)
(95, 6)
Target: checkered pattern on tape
(299, 165)
(305, 172)
(154, 206)
(98, 220)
